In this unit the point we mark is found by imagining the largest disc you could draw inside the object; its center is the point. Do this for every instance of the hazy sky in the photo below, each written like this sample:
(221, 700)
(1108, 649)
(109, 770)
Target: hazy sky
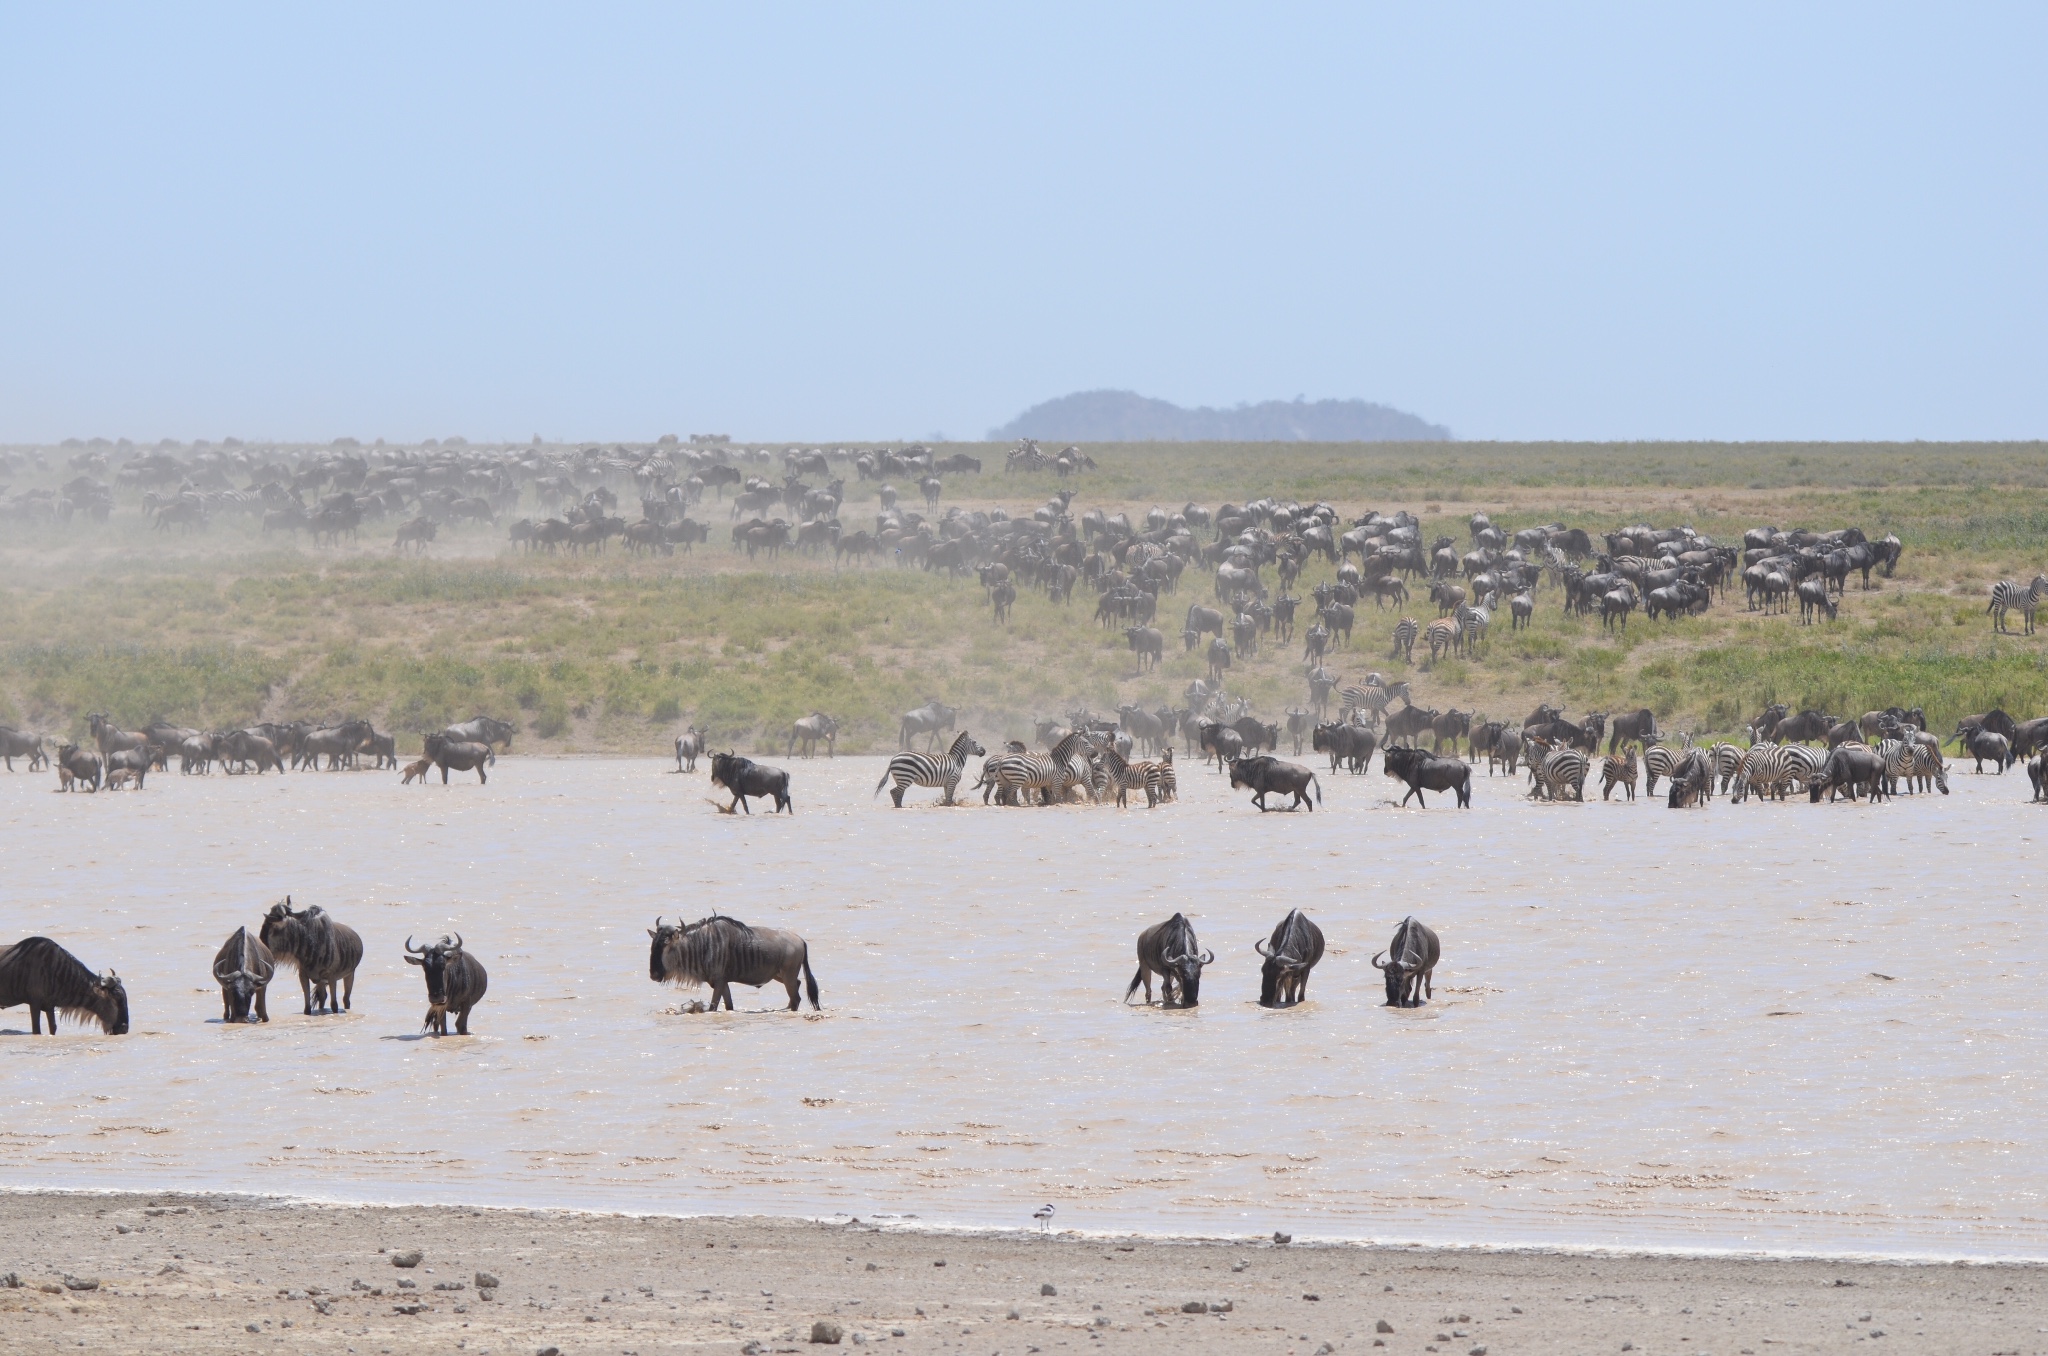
(872, 221)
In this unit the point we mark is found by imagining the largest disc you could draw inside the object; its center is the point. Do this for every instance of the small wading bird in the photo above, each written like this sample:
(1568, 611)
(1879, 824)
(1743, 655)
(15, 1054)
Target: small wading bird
(1043, 1214)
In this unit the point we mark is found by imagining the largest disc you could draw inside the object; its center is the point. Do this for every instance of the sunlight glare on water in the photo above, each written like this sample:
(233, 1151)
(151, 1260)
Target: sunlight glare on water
(1650, 1028)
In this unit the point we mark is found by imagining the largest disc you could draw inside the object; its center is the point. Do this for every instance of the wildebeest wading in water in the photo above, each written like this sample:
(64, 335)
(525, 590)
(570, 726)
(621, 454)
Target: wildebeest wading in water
(460, 754)
(455, 982)
(324, 952)
(1267, 775)
(243, 967)
(744, 777)
(1291, 952)
(42, 974)
(1410, 961)
(1170, 951)
(719, 951)
(1427, 772)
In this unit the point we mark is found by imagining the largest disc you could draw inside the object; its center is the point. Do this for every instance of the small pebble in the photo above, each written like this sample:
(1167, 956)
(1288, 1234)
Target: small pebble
(1048, 1289)
(486, 1281)
(1384, 1326)
(411, 1257)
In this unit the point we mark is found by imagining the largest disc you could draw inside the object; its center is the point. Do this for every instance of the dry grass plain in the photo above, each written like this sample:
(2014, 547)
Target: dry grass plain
(615, 652)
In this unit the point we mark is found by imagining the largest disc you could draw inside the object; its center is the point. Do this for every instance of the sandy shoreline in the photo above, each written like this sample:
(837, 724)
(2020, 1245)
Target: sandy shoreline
(196, 1273)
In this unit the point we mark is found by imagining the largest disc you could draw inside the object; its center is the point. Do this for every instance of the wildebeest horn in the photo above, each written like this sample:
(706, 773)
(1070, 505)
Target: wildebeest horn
(1260, 947)
(458, 941)
(1208, 958)
(410, 948)
(1376, 960)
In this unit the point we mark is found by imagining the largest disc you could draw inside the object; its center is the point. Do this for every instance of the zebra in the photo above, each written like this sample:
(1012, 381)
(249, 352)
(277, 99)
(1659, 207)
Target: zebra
(1443, 635)
(1618, 772)
(1928, 767)
(1472, 624)
(1776, 769)
(924, 769)
(1726, 760)
(1371, 698)
(1049, 775)
(1658, 761)
(1564, 770)
(1405, 631)
(2006, 595)
(1154, 778)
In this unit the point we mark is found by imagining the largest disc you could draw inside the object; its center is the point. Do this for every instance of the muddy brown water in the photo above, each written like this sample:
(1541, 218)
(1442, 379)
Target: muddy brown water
(1651, 1029)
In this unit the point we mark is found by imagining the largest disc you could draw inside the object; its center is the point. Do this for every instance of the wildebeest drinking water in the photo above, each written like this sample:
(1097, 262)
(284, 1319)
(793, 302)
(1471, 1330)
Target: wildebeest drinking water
(1291, 952)
(324, 952)
(744, 777)
(460, 754)
(243, 967)
(1170, 951)
(1411, 959)
(719, 951)
(455, 982)
(42, 974)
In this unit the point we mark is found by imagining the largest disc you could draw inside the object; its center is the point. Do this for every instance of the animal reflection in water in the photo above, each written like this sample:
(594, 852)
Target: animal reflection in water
(720, 952)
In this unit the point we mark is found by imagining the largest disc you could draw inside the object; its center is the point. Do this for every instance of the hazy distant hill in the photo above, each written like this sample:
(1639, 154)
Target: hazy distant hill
(1127, 417)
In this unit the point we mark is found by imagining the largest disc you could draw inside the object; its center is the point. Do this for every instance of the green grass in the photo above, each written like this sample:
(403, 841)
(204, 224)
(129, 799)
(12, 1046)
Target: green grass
(612, 652)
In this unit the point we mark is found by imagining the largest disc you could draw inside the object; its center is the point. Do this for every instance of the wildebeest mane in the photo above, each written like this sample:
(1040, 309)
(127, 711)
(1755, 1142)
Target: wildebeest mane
(39, 972)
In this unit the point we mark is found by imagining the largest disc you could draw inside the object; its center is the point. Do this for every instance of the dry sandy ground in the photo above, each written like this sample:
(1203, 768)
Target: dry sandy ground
(208, 1274)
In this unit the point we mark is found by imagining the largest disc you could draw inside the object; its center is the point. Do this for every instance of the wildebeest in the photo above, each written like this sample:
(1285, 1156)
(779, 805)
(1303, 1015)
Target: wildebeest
(135, 762)
(42, 974)
(244, 966)
(1266, 774)
(1409, 722)
(76, 765)
(22, 744)
(324, 952)
(482, 730)
(689, 748)
(459, 754)
(1170, 951)
(1427, 772)
(1411, 959)
(932, 719)
(1639, 726)
(1148, 643)
(809, 730)
(1853, 768)
(455, 982)
(1291, 952)
(721, 951)
(1984, 744)
(744, 777)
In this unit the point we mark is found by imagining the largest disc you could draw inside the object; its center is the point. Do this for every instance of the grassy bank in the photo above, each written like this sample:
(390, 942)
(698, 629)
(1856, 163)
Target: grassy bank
(616, 652)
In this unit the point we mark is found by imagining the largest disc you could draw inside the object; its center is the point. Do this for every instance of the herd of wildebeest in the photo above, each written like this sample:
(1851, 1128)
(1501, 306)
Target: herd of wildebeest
(716, 952)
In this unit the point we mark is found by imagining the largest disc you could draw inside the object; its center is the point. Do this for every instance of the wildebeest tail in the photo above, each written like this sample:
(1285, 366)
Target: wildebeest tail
(1318, 787)
(810, 980)
(1136, 979)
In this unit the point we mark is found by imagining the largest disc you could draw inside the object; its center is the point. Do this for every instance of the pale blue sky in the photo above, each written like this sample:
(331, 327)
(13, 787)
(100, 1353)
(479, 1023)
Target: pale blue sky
(841, 221)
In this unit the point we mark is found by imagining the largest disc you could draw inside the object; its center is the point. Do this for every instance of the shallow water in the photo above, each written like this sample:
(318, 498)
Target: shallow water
(1650, 1028)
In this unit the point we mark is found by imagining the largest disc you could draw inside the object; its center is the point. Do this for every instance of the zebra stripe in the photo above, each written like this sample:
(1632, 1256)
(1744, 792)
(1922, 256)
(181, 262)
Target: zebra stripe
(1564, 770)
(1472, 624)
(1443, 635)
(1405, 631)
(924, 769)
(1776, 769)
(2006, 595)
(1726, 760)
(1618, 772)
(1658, 761)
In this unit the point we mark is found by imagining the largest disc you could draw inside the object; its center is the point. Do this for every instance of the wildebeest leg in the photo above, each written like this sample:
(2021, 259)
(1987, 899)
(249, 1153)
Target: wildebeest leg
(263, 1003)
(306, 984)
(481, 779)
(35, 1018)
(461, 1023)
(348, 992)
(789, 981)
(721, 992)
(444, 774)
